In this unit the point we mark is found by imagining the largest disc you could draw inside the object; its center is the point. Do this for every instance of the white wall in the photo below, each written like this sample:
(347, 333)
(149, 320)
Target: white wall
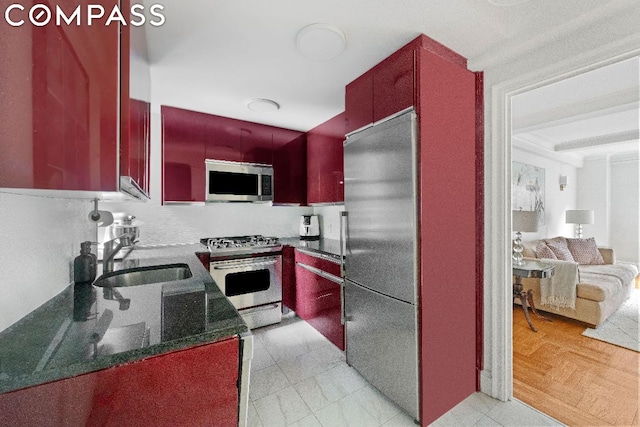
(329, 218)
(593, 193)
(625, 209)
(40, 238)
(556, 202)
(609, 185)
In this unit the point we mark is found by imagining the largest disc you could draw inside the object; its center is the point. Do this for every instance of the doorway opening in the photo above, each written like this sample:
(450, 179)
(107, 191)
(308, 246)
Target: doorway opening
(564, 129)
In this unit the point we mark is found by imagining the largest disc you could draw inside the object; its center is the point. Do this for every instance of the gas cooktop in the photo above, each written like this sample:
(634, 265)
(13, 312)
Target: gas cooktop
(241, 244)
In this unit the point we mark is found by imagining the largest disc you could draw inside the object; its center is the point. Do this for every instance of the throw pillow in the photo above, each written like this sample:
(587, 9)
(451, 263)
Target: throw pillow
(585, 251)
(543, 251)
(559, 247)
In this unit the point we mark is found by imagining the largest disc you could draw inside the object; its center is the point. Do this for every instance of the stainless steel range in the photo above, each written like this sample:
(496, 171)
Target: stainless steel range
(248, 270)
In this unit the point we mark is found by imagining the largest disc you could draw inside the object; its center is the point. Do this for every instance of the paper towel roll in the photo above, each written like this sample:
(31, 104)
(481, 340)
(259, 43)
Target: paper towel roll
(103, 218)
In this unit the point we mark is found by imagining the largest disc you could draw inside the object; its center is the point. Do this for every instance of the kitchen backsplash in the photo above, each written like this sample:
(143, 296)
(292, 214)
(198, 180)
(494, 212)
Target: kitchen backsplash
(40, 238)
(329, 220)
(174, 224)
(42, 235)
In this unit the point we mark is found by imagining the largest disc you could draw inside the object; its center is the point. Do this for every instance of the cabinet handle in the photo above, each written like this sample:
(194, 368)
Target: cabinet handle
(321, 273)
(324, 296)
(319, 255)
(259, 309)
(343, 317)
(243, 264)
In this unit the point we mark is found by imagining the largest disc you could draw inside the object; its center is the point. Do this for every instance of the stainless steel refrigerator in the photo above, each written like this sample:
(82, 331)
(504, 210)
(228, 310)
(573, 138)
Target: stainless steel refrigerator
(380, 294)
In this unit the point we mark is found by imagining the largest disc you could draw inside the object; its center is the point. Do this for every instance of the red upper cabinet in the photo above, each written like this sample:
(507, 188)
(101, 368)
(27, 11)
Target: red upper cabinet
(67, 93)
(359, 102)
(325, 162)
(223, 136)
(183, 155)
(190, 137)
(60, 104)
(257, 143)
(134, 145)
(135, 111)
(394, 83)
(387, 88)
(289, 167)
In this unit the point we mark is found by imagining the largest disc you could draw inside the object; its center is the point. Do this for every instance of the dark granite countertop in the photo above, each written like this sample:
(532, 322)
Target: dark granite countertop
(87, 328)
(323, 246)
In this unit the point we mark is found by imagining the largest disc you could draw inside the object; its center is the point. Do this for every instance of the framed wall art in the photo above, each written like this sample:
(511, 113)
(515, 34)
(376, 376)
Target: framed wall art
(527, 189)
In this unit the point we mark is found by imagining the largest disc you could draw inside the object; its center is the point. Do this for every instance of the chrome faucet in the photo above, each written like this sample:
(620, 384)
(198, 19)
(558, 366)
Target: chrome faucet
(109, 252)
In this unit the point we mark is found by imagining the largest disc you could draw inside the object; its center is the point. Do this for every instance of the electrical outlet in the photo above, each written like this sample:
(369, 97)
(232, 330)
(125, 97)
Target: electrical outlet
(329, 230)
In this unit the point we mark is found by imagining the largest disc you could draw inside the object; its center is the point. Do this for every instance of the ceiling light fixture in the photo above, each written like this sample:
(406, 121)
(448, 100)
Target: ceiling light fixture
(321, 41)
(261, 105)
(506, 2)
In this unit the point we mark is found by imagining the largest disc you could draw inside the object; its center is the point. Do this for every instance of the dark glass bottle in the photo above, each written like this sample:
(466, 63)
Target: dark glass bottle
(85, 265)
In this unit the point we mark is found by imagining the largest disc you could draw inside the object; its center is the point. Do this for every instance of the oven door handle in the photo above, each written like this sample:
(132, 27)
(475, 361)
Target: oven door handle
(242, 264)
(259, 309)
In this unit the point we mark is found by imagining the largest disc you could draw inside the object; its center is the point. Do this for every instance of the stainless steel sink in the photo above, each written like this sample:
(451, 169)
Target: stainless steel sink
(144, 275)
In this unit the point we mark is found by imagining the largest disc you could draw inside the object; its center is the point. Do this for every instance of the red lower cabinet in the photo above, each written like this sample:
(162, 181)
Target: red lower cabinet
(289, 277)
(193, 387)
(319, 301)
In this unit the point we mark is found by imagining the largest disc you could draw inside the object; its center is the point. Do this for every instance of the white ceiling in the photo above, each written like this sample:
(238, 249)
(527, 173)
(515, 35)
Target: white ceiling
(592, 114)
(214, 55)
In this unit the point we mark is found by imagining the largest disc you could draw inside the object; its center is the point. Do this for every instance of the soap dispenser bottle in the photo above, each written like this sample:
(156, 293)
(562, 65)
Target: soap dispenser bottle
(85, 265)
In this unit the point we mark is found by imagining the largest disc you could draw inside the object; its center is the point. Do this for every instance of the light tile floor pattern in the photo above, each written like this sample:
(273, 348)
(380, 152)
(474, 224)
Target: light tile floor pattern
(298, 378)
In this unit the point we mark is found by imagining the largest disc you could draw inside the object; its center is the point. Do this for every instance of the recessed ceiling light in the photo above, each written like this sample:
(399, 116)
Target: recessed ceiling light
(262, 105)
(321, 41)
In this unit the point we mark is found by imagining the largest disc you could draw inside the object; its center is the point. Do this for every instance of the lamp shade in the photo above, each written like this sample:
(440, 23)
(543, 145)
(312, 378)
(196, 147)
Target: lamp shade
(526, 221)
(579, 216)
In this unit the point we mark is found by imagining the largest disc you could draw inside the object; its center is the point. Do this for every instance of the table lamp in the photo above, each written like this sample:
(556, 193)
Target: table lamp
(579, 217)
(523, 221)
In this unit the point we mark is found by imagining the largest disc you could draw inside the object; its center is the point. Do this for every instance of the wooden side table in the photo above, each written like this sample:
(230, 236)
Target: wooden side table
(528, 269)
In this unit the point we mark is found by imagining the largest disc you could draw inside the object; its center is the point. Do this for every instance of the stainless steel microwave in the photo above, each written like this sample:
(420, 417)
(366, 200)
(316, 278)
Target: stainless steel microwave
(238, 182)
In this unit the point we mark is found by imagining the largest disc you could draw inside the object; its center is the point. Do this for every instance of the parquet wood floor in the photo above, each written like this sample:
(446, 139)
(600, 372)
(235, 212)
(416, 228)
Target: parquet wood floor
(577, 380)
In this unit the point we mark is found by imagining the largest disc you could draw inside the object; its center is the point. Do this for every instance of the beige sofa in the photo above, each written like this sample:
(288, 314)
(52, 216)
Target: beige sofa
(601, 286)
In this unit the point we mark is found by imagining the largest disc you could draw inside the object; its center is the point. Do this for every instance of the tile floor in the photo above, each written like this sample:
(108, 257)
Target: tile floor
(298, 378)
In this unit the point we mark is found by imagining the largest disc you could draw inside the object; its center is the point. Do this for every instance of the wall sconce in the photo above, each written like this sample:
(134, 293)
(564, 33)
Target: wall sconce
(563, 182)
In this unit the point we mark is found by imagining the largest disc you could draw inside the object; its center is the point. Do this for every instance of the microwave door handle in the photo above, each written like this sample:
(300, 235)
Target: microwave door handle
(243, 264)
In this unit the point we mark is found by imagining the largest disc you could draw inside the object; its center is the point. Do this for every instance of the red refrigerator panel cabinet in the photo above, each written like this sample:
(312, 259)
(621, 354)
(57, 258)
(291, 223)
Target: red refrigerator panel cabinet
(435, 80)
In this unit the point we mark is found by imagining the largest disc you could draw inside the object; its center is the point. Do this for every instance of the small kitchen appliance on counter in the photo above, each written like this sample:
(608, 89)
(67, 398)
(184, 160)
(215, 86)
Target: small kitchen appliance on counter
(309, 227)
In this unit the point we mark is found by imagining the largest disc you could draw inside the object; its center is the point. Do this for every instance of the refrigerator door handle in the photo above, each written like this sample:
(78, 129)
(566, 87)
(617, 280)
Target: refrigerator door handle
(343, 240)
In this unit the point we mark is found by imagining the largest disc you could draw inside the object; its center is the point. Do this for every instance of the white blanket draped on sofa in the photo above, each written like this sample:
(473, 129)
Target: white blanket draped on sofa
(559, 291)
